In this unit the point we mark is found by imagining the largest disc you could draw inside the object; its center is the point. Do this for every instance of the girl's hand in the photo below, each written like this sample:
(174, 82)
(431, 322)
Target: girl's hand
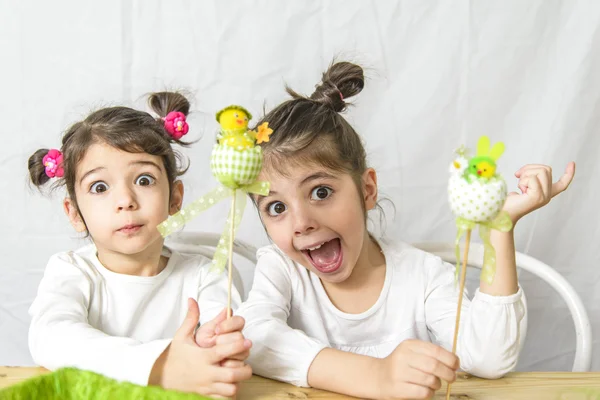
(537, 189)
(187, 367)
(221, 330)
(415, 369)
(206, 335)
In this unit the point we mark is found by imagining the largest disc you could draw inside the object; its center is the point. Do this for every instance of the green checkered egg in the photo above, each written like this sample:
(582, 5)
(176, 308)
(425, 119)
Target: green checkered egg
(235, 168)
(477, 200)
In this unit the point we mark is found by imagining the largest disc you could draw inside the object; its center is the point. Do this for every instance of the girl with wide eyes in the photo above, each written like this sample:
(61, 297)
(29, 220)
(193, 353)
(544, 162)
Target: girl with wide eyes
(336, 308)
(126, 306)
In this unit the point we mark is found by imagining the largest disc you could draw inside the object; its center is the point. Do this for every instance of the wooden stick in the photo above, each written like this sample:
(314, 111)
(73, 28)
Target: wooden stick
(463, 275)
(231, 233)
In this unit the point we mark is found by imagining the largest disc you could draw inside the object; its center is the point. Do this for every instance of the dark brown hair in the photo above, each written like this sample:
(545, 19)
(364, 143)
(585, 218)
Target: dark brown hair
(310, 129)
(124, 128)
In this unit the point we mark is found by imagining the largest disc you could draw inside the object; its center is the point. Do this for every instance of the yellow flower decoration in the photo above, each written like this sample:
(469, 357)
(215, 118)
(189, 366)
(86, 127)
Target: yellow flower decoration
(263, 133)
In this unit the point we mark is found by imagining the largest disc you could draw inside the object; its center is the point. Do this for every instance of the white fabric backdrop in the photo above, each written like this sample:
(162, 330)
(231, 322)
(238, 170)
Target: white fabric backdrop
(440, 74)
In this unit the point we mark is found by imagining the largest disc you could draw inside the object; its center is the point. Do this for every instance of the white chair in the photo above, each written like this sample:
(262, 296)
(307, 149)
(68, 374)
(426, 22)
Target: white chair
(583, 330)
(205, 244)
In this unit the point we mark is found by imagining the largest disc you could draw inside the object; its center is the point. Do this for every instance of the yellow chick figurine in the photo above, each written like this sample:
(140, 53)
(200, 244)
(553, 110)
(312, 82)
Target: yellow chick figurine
(234, 118)
(483, 165)
(484, 169)
(234, 127)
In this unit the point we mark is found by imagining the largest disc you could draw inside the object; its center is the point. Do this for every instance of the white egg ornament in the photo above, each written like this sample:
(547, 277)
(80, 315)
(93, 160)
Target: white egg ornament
(475, 191)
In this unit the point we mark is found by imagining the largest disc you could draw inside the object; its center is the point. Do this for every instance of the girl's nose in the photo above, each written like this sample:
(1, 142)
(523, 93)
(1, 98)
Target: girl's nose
(126, 200)
(304, 222)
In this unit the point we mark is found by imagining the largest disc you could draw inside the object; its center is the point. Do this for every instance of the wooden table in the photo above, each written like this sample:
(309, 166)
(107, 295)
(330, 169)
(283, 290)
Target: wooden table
(514, 386)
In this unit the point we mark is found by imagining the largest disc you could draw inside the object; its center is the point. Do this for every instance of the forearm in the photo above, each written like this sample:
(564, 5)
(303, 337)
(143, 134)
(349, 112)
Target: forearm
(344, 372)
(65, 343)
(505, 280)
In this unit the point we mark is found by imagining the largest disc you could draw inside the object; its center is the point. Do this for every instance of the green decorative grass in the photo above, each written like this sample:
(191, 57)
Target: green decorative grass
(74, 384)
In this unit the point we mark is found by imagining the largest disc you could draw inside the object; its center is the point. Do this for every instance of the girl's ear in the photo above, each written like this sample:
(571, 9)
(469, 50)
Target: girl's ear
(369, 180)
(73, 214)
(176, 197)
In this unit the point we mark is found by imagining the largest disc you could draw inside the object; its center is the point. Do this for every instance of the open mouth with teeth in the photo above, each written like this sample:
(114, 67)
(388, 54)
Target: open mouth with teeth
(326, 257)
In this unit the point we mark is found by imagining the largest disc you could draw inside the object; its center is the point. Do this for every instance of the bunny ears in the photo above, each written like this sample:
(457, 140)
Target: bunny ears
(483, 149)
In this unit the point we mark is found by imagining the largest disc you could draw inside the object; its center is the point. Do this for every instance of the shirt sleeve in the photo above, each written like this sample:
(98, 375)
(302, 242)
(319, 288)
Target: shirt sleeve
(60, 335)
(278, 351)
(492, 328)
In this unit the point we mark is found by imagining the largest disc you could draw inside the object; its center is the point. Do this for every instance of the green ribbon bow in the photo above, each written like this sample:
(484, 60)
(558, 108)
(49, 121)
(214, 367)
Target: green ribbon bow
(192, 210)
(501, 223)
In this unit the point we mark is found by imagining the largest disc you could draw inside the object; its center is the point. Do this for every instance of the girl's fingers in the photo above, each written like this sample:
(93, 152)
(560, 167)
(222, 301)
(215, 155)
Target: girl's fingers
(527, 174)
(231, 363)
(205, 341)
(234, 375)
(228, 350)
(235, 323)
(221, 390)
(563, 183)
(432, 366)
(534, 171)
(522, 185)
(435, 352)
(413, 391)
(533, 186)
(240, 356)
(213, 323)
(558, 187)
(531, 166)
(422, 379)
(188, 326)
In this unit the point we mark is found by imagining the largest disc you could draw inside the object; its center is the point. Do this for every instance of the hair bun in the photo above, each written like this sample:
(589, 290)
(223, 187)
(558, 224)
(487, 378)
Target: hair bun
(172, 109)
(37, 171)
(341, 81)
(163, 103)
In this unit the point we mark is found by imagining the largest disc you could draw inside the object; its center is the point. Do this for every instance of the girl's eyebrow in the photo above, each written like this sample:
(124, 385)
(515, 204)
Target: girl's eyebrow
(262, 198)
(317, 175)
(143, 162)
(91, 171)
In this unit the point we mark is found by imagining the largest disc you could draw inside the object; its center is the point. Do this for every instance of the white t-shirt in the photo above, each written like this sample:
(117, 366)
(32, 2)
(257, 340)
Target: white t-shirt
(88, 317)
(290, 318)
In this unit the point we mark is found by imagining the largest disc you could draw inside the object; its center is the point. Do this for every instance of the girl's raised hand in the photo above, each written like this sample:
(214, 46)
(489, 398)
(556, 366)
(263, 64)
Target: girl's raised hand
(537, 189)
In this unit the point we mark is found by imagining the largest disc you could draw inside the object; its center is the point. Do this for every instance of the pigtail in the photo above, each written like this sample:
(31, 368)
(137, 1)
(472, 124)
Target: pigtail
(45, 164)
(37, 171)
(172, 109)
(163, 103)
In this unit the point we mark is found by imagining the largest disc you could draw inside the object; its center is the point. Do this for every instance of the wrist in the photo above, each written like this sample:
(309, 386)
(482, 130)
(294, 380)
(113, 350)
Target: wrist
(376, 378)
(502, 238)
(157, 373)
(515, 219)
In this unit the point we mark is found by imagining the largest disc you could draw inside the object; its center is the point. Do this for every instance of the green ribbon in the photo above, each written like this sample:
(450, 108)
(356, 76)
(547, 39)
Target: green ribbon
(501, 223)
(216, 195)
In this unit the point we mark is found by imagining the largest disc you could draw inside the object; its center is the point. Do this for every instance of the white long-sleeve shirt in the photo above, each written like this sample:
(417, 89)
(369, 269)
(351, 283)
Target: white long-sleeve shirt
(290, 318)
(89, 317)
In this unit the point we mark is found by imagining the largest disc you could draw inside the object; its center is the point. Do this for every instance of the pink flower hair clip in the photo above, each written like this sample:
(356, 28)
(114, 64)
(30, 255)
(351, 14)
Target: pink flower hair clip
(53, 163)
(176, 125)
